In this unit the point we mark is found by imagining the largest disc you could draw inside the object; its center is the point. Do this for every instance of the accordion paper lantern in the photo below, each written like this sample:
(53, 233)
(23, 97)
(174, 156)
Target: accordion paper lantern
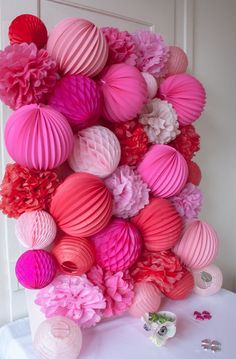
(208, 280)
(164, 170)
(44, 137)
(78, 47)
(159, 224)
(82, 205)
(96, 150)
(147, 299)
(198, 246)
(194, 173)
(178, 61)
(36, 229)
(182, 288)
(151, 83)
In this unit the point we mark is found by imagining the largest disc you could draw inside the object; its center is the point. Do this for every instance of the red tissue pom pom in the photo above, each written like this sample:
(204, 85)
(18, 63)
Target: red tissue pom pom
(187, 142)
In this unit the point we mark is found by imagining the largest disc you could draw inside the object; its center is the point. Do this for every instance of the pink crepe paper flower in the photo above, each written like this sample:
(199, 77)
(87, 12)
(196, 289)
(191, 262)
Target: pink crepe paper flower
(74, 297)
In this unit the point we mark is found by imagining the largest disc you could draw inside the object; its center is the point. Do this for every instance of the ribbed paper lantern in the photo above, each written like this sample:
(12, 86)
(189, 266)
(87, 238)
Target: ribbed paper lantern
(159, 224)
(38, 136)
(147, 299)
(79, 99)
(124, 91)
(198, 246)
(186, 94)
(151, 83)
(82, 205)
(194, 173)
(78, 46)
(96, 150)
(118, 245)
(35, 269)
(74, 255)
(36, 229)
(58, 338)
(178, 61)
(182, 288)
(164, 170)
(208, 280)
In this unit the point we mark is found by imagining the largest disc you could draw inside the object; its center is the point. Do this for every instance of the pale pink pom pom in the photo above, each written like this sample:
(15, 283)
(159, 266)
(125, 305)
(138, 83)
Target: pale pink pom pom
(130, 193)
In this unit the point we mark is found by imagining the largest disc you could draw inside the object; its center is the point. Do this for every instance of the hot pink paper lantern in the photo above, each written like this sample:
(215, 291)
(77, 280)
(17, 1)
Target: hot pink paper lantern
(183, 288)
(164, 170)
(187, 96)
(39, 137)
(35, 269)
(147, 299)
(118, 245)
(151, 83)
(208, 280)
(78, 46)
(124, 91)
(178, 61)
(36, 229)
(198, 246)
(96, 150)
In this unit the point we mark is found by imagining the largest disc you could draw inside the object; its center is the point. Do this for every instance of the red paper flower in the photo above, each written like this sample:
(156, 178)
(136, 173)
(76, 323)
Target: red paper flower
(187, 143)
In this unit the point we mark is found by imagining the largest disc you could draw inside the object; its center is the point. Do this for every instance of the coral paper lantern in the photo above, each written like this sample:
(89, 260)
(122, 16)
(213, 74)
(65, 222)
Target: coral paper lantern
(164, 170)
(78, 46)
(198, 246)
(124, 91)
(178, 61)
(182, 288)
(82, 205)
(147, 299)
(96, 150)
(208, 280)
(44, 137)
(194, 173)
(159, 224)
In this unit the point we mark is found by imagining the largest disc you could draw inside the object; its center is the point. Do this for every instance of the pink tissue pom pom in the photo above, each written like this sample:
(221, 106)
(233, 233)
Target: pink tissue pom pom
(74, 297)
(27, 75)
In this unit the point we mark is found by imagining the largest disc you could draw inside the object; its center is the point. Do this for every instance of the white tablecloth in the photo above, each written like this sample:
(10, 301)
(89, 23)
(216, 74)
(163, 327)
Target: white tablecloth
(125, 338)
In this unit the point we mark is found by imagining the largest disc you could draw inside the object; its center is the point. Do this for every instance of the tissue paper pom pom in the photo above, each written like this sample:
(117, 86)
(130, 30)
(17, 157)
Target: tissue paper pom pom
(78, 98)
(160, 121)
(78, 47)
(96, 150)
(130, 193)
(117, 289)
(28, 28)
(63, 171)
(36, 229)
(182, 288)
(75, 256)
(208, 280)
(198, 246)
(152, 52)
(194, 173)
(58, 338)
(35, 269)
(125, 92)
(187, 142)
(186, 94)
(121, 46)
(23, 190)
(27, 75)
(178, 61)
(147, 299)
(118, 245)
(82, 205)
(73, 297)
(189, 201)
(164, 170)
(159, 224)
(151, 83)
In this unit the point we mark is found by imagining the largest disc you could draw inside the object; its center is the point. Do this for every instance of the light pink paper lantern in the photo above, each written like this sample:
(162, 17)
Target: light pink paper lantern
(96, 150)
(39, 137)
(151, 83)
(208, 280)
(78, 47)
(147, 299)
(36, 229)
(198, 246)
(178, 61)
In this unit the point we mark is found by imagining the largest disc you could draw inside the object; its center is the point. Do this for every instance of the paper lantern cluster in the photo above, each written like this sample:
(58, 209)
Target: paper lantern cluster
(115, 234)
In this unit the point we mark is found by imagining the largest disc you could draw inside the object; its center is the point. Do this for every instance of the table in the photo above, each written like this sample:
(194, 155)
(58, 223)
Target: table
(125, 337)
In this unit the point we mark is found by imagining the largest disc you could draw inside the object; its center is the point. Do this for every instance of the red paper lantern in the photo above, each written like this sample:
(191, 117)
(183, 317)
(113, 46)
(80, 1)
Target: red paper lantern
(182, 288)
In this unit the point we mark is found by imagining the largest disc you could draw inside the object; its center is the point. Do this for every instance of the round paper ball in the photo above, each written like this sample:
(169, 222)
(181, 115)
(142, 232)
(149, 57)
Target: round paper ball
(82, 205)
(151, 83)
(147, 299)
(58, 338)
(194, 173)
(182, 288)
(118, 245)
(28, 28)
(187, 96)
(78, 47)
(39, 137)
(159, 224)
(35, 269)
(79, 99)
(124, 91)
(96, 150)
(164, 170)
(74, 255)
(36, 229)
(198, 246)
(178, 61)
(208, 280)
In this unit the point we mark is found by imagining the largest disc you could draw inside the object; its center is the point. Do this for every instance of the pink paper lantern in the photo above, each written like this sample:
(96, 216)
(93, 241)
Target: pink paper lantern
(151, 83)
(39, 137)
(164, 170)
(208, 280)
(147, 299)
(178, 61)
(78, 47)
